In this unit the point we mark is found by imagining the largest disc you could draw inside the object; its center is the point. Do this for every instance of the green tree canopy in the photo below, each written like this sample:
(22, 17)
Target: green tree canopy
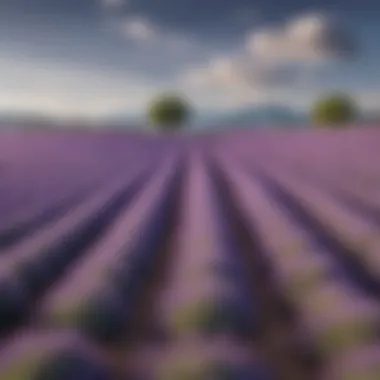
(334, 110)
(168, 112)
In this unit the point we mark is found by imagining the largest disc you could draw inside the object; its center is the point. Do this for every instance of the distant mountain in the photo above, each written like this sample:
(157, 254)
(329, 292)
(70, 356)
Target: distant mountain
(30, 120)
(258, 116)
(122, 117)
(371, 117)
(24, 118)
(250, 117)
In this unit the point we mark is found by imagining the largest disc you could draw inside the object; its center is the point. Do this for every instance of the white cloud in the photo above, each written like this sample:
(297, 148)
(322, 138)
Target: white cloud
(66, 91)
(271, 60)
(139, 29)
(239, 77)
(227, 81)
(308, 38)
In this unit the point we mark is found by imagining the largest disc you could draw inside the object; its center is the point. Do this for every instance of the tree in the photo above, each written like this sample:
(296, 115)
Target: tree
(168, 112)
(335, 110)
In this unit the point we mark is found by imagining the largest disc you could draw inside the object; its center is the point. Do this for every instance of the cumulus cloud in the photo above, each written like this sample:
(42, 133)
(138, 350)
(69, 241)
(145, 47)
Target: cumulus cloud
(272, 59)
(240, 76)
(139, 29)
(309, 38)
(62, 90)
(231, 82)
(230, 72)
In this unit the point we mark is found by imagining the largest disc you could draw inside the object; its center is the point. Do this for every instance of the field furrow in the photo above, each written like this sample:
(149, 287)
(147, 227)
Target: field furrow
(232, 256)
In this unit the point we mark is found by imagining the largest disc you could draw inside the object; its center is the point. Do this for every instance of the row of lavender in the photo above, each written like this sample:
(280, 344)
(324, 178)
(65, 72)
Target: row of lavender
(206, 294)
(38, 175)
(90, 301)
(314, 200)
(205, 309)
(67, 199)
(96, 298)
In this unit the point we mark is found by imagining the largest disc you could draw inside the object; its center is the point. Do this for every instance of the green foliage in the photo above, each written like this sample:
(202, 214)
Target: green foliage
(208, 317)
(335, 110)
(197, 369)
(202, 368)
(343, 335)
(184, 370)
(23, 367)
(168, 112)
(102, 319)
(70, 365)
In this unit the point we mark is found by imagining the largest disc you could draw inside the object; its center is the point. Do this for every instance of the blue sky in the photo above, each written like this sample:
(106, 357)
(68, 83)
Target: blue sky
(93, 58)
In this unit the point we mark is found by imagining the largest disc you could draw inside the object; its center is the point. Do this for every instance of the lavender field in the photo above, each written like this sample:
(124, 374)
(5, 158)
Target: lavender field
(240, 255)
